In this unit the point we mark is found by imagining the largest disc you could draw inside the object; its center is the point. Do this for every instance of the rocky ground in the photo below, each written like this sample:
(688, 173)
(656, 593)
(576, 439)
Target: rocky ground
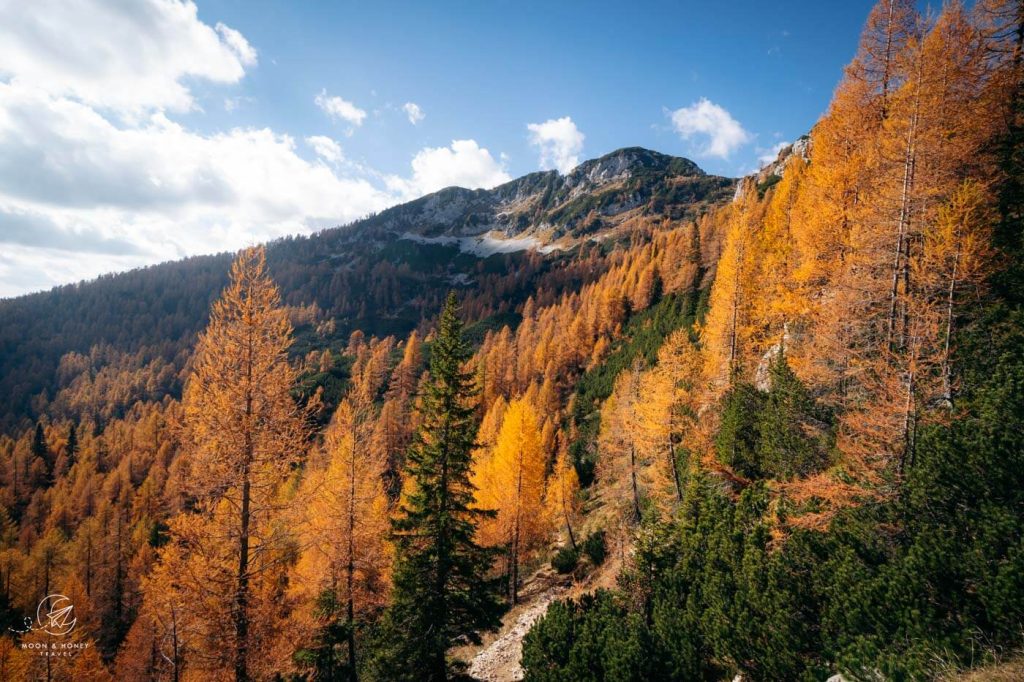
(499, 660)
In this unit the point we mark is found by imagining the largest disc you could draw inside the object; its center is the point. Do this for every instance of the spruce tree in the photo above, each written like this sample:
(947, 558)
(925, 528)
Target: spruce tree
(737, 438)
(442, 593)
(785, 425)
(41, 452)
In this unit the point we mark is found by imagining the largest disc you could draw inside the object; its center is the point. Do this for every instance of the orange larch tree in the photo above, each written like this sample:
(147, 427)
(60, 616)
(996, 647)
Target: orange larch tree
(511, 480)
(243, 432)
(562, 499)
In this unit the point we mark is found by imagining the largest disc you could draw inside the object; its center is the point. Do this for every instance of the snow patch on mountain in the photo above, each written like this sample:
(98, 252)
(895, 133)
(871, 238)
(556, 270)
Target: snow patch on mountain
(423, 239)
(486, 244)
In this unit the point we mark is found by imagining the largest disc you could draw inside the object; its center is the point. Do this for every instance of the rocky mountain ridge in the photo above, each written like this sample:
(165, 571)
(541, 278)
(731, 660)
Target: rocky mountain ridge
(557, 210)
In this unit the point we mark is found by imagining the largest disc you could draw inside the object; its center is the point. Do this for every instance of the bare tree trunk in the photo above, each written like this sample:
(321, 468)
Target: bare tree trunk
(901, 254)
(241, 616)
(174, 642)
(675, 470)
(947, 382)
(632, 474)
(888, 60)
(514, 586)
(241, 602)
(735, 318)
(568, 525)
(899, 263)
(908, 424)
(351, 566)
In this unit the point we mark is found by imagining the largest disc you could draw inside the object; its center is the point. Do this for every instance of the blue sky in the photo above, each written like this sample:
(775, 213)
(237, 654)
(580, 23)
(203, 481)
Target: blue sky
(483, 70)
(137, 132)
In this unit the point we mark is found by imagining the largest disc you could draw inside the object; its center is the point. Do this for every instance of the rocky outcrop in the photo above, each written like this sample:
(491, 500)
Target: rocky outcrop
(593, 198)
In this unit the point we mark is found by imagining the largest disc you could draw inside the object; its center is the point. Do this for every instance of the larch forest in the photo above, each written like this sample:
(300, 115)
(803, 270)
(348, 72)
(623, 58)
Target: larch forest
(770, 427)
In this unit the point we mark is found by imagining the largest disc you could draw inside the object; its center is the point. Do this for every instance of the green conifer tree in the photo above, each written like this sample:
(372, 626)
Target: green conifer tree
(737, 438)
(787, 425)
(42, 452)
(442, 592)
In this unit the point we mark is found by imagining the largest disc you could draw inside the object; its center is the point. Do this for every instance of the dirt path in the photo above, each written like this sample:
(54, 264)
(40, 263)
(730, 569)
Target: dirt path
(499, 661)
(498, 658)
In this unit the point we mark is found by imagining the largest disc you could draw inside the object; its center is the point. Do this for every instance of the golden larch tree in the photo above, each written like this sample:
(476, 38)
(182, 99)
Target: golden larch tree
(623, 463)
(243, 433)
(511, 481)
(562, 499)
(344, 525)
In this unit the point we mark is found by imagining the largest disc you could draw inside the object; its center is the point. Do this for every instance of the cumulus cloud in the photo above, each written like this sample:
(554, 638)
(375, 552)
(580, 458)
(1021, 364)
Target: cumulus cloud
(705, 119)
(325, 147)
(413, 111)
(166, 189)
(27, 228)
(24, 269)
(560, 143)
(73, 181)
(237, 42)
(126, 57)
(92, 160)
(462, 164)
(340, 109)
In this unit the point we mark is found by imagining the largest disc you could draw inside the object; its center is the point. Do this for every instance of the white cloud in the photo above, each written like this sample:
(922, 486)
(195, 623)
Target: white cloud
(705, 118)
(560, 143)
(769, 155)
(93, 162)
(413, 111)
(73, 181)
(159, 187)
(234, 103)
(325, 148)
(339, 108)
(126, 56)
(463, 164)
(246, 52)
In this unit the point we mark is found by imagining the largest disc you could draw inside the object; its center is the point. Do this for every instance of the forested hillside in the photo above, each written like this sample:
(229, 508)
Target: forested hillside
(385, 275)
(829, 479)
(788, 411)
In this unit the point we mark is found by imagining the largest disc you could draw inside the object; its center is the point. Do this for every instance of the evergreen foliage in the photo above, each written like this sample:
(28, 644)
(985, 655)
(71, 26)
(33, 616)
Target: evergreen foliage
(779, 433)
(793, 432)
(326, 658)
(904, 589)
(737, 439)
(442, 593)
(642, 337)
(594, 547)
(594, 638)
(565, 560)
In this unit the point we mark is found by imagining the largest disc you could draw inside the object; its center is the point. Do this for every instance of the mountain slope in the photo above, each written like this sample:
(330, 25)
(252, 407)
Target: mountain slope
(594, 197)
(382, 275)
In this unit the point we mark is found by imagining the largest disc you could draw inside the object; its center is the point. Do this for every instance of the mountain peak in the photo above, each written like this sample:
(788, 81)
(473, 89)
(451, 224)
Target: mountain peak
(592, 199)
(628, 160)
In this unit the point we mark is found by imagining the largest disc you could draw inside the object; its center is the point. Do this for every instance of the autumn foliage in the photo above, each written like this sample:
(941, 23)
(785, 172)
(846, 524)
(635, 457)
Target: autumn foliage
(323, 509)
